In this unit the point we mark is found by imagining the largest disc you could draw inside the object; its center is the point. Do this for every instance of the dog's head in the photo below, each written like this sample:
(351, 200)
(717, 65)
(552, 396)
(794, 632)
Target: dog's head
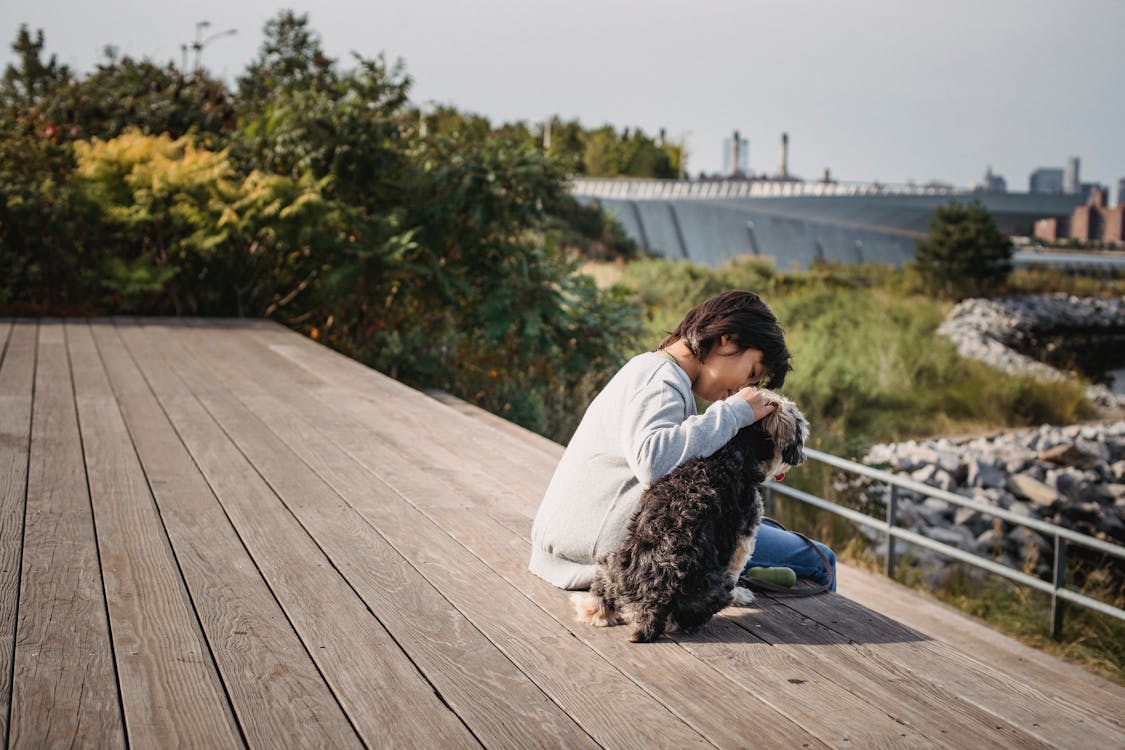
(788, 429)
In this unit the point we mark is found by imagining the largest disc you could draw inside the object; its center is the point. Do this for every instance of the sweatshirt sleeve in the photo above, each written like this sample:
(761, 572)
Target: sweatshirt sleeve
(657, 438)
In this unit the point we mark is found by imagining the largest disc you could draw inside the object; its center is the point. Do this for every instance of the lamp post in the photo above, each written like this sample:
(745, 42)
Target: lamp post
(200, 43)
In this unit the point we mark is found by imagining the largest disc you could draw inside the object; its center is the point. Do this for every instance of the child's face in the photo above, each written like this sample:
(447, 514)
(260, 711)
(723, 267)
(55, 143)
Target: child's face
(727, 370)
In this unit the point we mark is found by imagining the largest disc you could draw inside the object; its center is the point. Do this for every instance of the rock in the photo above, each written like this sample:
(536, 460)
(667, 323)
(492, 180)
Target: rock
(935, 476)
(1033, 490)
(1022, 538)
(1068, 454)
(990, 542)
(985, 473)
(954, 536)
(970, 519)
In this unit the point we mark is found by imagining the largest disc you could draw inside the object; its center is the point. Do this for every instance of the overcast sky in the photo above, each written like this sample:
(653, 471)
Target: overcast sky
(888, 90)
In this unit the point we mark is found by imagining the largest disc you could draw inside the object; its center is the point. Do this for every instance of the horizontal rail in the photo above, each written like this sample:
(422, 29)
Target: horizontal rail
(924, 489)
(1055, 589)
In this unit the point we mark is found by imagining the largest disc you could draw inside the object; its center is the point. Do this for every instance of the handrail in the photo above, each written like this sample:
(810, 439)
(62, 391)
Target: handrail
(1056, 588)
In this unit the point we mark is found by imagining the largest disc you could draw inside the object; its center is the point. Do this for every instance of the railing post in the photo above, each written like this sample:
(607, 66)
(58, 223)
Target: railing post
(892, 501)
(770, 509)
(1059, 582)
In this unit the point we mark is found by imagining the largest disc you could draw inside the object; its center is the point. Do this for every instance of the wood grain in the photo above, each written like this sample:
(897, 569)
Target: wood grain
(64, 687)
(278, 696)
(17, 373)
(384, 695)
(169, 688)
(716, 709)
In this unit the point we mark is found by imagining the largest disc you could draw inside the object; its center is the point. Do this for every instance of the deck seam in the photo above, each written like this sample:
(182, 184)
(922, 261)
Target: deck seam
(23, 523)
(94, 529)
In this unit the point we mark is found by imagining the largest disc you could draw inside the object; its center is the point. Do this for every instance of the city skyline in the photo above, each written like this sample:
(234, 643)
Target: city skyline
(872, 90)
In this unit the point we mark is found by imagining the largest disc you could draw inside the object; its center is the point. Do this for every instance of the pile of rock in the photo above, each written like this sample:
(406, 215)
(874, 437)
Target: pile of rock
(1072, 476)
(988, 329)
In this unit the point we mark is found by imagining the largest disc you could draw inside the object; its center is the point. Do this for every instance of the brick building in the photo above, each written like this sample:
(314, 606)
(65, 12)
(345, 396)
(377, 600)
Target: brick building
(1092, 221)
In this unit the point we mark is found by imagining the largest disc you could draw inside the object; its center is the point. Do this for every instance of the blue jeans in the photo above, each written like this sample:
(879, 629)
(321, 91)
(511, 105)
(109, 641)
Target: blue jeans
(778, 548)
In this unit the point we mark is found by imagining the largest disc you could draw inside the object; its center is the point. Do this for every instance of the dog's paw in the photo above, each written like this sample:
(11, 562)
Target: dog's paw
(741, 596)
(590, 609)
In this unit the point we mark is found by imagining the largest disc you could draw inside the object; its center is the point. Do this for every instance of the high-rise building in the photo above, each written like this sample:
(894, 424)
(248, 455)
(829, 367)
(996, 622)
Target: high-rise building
(1071, 182)
(1121, 191)
(1046, 180)
(736, 155)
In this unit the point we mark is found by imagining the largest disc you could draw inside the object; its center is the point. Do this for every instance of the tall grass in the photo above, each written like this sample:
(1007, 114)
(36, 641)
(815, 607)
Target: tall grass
(868, 363)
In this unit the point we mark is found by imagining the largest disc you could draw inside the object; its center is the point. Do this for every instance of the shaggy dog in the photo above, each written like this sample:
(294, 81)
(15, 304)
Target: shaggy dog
(686, 546)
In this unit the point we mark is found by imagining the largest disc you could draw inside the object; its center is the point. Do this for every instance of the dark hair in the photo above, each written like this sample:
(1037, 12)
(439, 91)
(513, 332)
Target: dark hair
(746, 320)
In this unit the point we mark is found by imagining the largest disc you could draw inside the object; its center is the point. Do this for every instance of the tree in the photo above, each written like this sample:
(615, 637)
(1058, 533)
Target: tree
(965, 253)
(32, 80)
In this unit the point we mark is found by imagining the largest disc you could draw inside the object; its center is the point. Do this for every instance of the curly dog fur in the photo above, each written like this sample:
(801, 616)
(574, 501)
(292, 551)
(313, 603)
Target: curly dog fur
(693, 534)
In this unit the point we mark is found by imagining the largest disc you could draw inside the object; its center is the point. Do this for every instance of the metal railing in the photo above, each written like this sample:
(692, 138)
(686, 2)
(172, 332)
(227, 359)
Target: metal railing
(644, 188)
(1062, 536)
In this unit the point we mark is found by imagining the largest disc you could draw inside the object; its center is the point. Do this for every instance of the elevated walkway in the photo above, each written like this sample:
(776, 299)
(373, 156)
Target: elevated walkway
(221, 534)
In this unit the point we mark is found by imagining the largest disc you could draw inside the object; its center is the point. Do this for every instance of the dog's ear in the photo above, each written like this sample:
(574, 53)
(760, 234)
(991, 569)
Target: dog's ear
(793, 448)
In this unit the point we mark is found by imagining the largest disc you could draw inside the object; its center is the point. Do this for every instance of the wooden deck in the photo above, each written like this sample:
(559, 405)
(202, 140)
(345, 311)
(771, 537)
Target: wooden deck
(222, 534)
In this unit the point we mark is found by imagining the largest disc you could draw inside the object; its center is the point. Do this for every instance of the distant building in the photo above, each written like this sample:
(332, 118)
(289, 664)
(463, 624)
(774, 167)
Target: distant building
(1121, 190)
(1087, 189)
(990, 183)
(1092, 221)
(1046, 180)
(736, 155)
(1071, 181)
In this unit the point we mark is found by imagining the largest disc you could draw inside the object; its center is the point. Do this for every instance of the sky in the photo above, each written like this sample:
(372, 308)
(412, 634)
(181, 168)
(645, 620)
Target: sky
(875, 90)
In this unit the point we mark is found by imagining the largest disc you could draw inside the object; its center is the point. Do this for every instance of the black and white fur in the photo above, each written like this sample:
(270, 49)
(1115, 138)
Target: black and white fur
(686, 546)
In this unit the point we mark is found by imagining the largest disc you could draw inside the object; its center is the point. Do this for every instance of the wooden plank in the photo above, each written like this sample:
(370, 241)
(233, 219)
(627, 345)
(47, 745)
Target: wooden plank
(169, 688)
(946, 717)
(386, 698)
(17, 374)
(279, 697)
(590, 690)
(713, 706)
(64, 687)
(1055, 677)
(498, 703)
(885, 641)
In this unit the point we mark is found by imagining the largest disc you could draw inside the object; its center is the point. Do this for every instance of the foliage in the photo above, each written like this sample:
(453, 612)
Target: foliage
(965, 254)
(868, 364)
(311, 195)
(183, 231)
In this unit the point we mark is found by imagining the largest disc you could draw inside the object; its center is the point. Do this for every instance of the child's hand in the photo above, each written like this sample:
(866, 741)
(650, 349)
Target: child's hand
(757, 402)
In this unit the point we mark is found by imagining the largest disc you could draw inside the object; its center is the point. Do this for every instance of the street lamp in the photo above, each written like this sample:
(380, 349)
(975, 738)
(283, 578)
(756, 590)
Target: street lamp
(200, 43)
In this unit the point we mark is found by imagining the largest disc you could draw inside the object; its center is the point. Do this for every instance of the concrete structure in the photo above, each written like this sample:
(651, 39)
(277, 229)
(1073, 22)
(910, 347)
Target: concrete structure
(796, 223)
(1046, 180)
(783, 167)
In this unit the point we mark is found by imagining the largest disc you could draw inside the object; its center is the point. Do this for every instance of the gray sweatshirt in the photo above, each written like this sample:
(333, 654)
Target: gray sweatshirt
(641, 426)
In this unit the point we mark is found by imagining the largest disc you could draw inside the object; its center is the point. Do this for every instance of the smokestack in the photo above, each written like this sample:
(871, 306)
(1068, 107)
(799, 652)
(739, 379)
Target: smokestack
(783, 170)
(735, 146)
